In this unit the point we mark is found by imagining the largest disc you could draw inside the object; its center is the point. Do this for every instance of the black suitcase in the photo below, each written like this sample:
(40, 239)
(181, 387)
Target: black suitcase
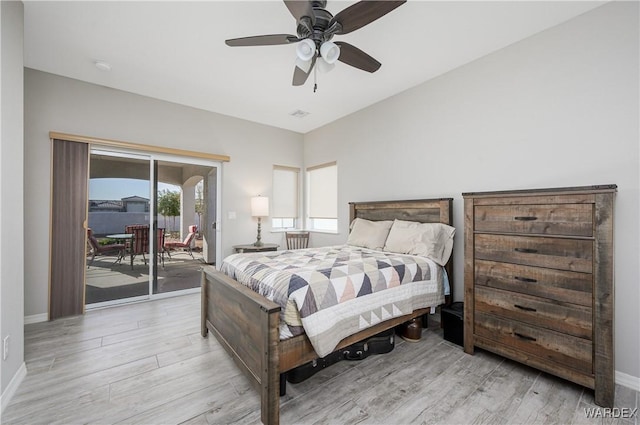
(380, 343)
(307, 370)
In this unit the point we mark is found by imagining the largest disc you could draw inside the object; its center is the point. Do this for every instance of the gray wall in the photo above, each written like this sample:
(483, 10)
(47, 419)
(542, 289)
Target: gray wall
(54, 103)
(557, 109)
(11, 193)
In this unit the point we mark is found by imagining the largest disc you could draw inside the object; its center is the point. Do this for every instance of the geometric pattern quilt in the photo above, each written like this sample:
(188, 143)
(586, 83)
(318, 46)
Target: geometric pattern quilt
(332, 292)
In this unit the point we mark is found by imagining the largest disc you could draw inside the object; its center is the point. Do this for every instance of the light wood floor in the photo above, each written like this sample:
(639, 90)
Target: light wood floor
(147, 363)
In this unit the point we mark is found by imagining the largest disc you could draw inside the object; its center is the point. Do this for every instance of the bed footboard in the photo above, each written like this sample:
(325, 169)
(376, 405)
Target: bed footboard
(246, 324)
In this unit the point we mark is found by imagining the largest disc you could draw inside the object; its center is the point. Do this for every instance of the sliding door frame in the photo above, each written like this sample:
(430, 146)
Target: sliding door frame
(155, 153)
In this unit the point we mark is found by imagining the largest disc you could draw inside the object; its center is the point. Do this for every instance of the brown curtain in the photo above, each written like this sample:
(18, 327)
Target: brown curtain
(69, 193)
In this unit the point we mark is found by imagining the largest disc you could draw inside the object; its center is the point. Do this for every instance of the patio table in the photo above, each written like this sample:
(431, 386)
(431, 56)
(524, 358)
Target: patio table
(123, 237)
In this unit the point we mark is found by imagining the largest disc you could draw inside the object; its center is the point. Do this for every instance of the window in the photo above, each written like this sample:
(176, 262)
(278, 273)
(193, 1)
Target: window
(285, 197)
(322, 197)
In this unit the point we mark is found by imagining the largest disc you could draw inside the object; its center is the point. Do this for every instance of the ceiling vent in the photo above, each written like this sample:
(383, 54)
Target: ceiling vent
(298, 113)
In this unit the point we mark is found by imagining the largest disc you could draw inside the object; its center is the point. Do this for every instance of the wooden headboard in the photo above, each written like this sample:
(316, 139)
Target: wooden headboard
(421, 210)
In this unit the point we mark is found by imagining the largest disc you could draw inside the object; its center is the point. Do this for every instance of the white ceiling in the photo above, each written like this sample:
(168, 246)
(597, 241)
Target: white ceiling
(175, 51)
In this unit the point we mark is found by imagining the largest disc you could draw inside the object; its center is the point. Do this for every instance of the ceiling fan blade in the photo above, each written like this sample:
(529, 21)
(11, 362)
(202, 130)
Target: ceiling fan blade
(300, 9)
(263, 40)
(355, 57)
(362, 13)
(300, 76)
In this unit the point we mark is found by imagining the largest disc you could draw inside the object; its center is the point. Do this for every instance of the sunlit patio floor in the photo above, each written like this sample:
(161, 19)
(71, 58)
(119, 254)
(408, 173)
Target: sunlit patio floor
(109, 280)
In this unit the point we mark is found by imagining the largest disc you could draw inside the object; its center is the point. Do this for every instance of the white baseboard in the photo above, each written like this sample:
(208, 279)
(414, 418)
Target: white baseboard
(8, 393)
(36, 318)
(628, 381)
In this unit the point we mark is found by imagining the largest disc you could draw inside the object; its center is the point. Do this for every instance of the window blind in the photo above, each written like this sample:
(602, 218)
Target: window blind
(323, 190)
(285, 191)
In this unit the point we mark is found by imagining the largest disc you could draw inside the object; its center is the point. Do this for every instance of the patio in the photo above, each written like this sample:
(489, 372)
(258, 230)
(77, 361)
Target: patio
(108, 280)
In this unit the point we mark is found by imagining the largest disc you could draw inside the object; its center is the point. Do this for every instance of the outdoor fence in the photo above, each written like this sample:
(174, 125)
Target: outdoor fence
(106, 223)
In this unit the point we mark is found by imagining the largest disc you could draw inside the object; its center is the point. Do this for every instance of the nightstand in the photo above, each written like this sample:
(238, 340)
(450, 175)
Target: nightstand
(253, 248)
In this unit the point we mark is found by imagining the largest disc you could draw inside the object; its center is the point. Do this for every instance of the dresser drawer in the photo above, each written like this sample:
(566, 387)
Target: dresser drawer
(560, 219)
(572, 319)
(566, 350)
(565, 286)
(554, 253)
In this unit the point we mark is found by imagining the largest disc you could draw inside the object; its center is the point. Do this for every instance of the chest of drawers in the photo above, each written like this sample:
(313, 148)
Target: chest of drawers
(538, 278)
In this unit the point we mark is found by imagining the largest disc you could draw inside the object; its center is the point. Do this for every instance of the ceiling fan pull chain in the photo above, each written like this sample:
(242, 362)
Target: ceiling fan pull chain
(315, 78)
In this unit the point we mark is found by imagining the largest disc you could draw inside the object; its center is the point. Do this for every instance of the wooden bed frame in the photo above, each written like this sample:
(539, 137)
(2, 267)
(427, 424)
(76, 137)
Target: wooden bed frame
(246, 323)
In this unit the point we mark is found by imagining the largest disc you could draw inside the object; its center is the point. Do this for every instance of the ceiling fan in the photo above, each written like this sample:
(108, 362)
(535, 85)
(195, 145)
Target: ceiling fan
(316, 27)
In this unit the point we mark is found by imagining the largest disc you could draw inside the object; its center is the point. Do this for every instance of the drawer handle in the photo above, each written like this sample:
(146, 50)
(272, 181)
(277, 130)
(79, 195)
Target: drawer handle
(521, 336)
(525, 218)
(525, 279)
(521, 307)
(526, 250)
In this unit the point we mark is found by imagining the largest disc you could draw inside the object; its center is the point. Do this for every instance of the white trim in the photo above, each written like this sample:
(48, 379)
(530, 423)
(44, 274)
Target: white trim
(152, 214)
(116, 302)
(328, 232)
(172, 294)
(11, 389)
(218, 222)
(119, 153)
(207, 162)
(36, 318)
(628, 381)
(142, 299)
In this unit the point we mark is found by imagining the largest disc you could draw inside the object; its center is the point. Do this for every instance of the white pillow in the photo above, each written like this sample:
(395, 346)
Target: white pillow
(369, 234)
(433, 240)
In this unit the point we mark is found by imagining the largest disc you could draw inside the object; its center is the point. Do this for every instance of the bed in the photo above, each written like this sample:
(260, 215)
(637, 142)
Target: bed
(248, 325)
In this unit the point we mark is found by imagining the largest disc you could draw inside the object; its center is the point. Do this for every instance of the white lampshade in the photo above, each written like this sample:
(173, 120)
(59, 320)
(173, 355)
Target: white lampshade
(260, 206)
(306, 49)
(330, 52)
(324, 66)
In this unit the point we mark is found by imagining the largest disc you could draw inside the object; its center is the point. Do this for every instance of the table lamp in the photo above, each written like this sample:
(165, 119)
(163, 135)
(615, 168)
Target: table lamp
(259, 209)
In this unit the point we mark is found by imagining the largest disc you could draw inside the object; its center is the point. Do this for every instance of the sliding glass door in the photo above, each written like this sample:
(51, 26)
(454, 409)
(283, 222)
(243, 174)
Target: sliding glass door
(120, 211)
(151, 221)
(185, 215)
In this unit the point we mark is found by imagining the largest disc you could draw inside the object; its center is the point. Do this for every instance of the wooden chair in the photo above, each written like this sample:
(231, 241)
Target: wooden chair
(186, 244)
(297, 240)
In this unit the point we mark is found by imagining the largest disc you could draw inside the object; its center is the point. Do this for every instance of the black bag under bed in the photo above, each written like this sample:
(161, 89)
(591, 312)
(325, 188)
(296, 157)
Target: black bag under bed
(381, 343)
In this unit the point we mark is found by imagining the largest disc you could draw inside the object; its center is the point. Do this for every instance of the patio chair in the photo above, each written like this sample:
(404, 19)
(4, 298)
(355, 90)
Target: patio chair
(186, 244)
(97, 249)
(139, 242)
(297, 240)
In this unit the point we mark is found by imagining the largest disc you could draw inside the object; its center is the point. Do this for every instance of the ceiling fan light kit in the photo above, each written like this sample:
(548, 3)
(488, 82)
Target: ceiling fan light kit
(316, 27)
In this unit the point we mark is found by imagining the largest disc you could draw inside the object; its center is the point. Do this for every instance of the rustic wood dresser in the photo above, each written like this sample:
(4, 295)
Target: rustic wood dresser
(538, 281)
